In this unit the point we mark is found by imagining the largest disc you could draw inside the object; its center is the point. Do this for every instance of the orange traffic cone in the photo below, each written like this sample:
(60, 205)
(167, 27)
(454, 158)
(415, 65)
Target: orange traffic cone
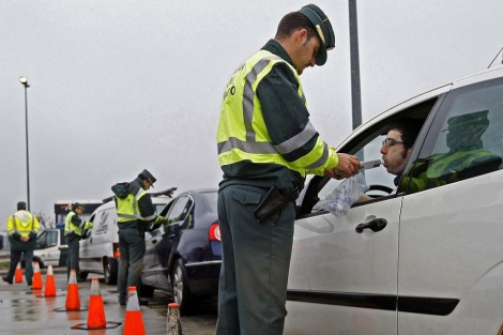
(18, 278)
(133, 323)
(174, 325)
(37, 278)
(72, 303)
(50, 283)
(72, 297)
(96, 318)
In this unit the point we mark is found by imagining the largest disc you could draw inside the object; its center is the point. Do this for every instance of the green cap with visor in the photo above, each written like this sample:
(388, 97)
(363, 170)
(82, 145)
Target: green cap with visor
(324, 29)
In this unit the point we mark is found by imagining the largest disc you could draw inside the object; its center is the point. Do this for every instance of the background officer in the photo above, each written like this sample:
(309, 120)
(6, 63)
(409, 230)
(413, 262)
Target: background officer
(22, 228)
(135, 213)
(74, 230)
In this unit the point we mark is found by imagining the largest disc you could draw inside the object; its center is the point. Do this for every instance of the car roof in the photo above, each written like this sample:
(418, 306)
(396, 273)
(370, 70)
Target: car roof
(200, 191)
(488, 74)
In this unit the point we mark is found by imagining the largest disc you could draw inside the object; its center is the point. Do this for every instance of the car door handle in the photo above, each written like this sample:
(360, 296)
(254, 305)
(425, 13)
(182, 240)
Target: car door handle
(375, 225)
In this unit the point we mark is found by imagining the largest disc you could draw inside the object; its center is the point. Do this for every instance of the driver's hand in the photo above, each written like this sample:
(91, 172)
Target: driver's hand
(348, 166)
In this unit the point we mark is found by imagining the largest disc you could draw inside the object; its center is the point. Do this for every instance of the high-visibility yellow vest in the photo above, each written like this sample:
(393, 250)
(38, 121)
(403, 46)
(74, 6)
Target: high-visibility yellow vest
(24, 223)
(127, 208)
(71, 227)
(242, 133)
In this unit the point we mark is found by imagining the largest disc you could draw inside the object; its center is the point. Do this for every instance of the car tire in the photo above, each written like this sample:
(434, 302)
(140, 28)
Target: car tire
(110, 271)
(180, 289)
(145, 290)
(82, 276)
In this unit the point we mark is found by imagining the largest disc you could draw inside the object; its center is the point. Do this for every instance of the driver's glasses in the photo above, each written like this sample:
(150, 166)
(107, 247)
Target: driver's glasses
(389, 142)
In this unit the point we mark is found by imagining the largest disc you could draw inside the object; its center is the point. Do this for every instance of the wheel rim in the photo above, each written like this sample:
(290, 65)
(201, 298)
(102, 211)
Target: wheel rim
(178, 285)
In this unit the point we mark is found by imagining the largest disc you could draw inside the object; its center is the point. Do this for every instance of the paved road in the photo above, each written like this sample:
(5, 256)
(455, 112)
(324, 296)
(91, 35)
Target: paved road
(23, 313)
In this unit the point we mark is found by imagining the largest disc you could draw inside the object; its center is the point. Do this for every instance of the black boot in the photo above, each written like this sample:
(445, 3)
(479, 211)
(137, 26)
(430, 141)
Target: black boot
(5, 279)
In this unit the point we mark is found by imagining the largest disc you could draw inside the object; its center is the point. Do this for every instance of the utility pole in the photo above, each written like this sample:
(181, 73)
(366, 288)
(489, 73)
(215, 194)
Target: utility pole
(24, 82)
(356, 102)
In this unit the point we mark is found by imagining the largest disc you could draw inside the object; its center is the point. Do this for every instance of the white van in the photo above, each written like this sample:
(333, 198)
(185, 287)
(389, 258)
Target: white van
(99, 249)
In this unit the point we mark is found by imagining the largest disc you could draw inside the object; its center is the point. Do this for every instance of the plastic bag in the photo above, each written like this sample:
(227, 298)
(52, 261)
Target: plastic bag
(339, 201)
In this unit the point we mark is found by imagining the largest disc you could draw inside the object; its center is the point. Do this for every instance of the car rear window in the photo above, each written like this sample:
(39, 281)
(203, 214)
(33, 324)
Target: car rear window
(211, 200)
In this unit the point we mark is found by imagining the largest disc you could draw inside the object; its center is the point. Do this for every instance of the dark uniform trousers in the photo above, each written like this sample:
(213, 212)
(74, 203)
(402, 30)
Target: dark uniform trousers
(72, 262)
(256, 262)
(132, 249)
(15, 257)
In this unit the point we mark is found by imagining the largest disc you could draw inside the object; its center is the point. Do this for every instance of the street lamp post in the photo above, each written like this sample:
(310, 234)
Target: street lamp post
(24, 82)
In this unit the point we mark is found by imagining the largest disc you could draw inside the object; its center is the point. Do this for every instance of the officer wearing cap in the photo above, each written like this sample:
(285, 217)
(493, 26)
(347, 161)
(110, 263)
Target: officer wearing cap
(266, 142)
(466, 157)
(135, 213)
(22, 229)
(75, 228)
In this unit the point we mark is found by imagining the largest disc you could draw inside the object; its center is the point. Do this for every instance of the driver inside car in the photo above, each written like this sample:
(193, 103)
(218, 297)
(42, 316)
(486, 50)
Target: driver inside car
(396, 148)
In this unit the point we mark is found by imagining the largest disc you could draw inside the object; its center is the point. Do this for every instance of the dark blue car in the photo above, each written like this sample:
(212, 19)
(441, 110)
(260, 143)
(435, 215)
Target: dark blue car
(184, 256)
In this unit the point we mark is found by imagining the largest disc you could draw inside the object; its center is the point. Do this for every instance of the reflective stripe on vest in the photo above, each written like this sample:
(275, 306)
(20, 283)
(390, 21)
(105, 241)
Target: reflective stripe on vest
(125, 217)
(242, 133)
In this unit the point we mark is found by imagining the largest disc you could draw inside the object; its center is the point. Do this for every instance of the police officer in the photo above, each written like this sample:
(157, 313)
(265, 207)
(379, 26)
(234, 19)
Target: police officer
(74, 230)
(266, 146)
(466, 157)
(22, 228)
(135, 213)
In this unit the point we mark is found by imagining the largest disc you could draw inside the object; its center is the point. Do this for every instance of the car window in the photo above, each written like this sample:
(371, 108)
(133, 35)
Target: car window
(367, 147)
(179, 210)
(52, 238)
(41, 239)
(381, 181)
(375, 176)
(465, 141)
(159, 208)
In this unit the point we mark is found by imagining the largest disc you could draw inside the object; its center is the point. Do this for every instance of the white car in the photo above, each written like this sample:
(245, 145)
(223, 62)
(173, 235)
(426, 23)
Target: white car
(411, 263)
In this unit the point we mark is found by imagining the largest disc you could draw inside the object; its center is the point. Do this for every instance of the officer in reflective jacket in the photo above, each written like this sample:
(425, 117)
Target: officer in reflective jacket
(266, 145)
(22, 228)
(136, 214)
(75, 229)
(466, 157)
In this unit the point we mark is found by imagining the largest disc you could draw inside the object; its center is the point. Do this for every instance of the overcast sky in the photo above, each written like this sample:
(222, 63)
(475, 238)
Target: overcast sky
(118, 86)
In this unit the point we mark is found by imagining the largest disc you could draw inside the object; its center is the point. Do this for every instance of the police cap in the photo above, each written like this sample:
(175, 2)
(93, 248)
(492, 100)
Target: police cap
(324, 28)
(78, 205)
(146, 175)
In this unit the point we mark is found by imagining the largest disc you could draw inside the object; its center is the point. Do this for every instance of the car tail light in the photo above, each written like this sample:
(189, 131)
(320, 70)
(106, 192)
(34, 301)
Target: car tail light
(117, 252)
(215, 232)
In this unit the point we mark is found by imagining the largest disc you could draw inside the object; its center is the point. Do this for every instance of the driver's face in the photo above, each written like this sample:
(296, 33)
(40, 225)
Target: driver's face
(395, 157)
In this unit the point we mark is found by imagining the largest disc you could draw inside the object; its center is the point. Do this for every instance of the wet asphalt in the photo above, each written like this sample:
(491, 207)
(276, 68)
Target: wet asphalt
(26, 312)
